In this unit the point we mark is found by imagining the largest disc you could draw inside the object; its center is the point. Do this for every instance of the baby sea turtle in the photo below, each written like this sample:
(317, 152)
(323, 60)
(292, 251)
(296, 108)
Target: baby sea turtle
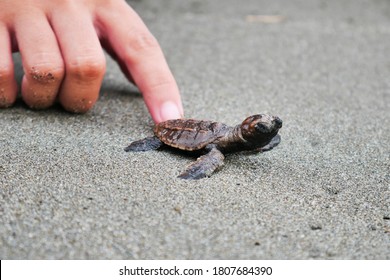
(257, 133)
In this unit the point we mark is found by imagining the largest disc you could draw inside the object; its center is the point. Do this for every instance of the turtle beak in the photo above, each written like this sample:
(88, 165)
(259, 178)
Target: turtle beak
(278, 122)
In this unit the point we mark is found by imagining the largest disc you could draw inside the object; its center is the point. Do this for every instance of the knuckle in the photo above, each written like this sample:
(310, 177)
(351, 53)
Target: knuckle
(143, 42)
(8, 85)
(39, 102)
(6, 73)
(66, 3)
(79, 105)
(47, 73)
(6, 98)
(86, 68)
(107, 3)
(6, 102)
(38, 97)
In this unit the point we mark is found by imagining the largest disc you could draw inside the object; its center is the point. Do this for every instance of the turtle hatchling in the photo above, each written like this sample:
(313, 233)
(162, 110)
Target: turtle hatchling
(258, 133)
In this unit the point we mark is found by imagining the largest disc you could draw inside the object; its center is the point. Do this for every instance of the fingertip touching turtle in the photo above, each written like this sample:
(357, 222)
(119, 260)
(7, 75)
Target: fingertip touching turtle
(258, 133)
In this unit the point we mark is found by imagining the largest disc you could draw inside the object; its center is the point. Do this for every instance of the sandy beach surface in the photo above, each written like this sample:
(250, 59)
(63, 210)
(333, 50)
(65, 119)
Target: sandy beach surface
(69, 191)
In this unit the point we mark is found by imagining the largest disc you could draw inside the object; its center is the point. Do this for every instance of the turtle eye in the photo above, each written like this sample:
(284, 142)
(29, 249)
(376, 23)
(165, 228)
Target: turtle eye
(262, 128)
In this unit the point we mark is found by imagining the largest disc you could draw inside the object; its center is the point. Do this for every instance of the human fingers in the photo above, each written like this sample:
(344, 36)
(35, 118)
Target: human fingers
(41, 59)
(105, 44)
(8, 87)
(83, 57)
(136, 47)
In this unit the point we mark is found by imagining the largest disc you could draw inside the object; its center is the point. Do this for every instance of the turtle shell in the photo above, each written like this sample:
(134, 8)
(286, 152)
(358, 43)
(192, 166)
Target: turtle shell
(189, 134)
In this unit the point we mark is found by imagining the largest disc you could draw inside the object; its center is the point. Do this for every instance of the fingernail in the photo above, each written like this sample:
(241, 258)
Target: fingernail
(169, 111)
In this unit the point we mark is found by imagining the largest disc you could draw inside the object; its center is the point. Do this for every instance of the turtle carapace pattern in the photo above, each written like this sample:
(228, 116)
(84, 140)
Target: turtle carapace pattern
(213, 140)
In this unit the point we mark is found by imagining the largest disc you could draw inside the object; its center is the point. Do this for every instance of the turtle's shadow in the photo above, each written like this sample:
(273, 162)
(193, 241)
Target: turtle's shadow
(229, 157)
(240, 158)
(180, 154)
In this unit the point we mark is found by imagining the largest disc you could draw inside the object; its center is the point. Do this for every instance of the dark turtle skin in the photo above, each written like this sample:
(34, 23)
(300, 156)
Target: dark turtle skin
(258, 133)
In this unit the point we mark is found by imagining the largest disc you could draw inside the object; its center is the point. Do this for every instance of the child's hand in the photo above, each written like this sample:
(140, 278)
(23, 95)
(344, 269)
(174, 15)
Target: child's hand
(61, 42)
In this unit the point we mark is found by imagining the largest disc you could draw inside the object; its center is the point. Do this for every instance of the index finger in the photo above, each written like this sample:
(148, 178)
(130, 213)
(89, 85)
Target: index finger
(140, 52)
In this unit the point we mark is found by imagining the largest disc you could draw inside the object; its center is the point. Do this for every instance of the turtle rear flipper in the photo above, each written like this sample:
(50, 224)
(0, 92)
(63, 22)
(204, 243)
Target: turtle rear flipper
(204, 166)
(143, 145)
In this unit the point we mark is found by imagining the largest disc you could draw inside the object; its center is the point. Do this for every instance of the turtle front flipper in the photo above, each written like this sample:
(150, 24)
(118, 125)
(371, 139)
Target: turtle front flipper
(143, 145)
(204, 166)
(272, 144)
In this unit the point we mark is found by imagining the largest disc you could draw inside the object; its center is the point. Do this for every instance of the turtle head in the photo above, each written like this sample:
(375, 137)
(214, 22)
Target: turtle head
(260, 129)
